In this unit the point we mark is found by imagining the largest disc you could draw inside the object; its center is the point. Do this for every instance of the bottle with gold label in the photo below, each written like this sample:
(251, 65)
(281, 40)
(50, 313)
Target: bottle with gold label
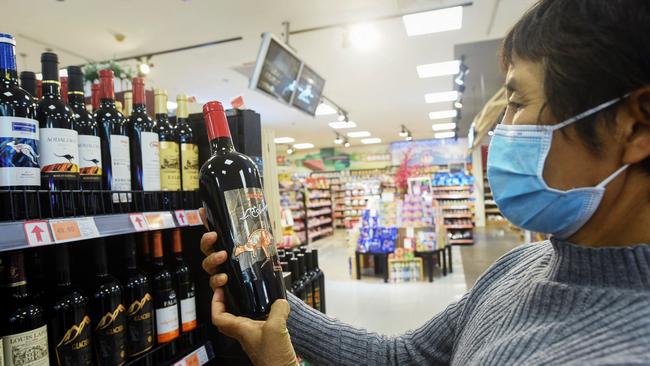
(170, 172)
(189, 149)
(69, 323)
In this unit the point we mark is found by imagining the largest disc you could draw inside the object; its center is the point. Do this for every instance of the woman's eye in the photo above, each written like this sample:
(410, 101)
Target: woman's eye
(514, 106)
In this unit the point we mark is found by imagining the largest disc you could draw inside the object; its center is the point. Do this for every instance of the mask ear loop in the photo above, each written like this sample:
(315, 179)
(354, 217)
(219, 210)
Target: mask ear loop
(589, 112)
(614, 175)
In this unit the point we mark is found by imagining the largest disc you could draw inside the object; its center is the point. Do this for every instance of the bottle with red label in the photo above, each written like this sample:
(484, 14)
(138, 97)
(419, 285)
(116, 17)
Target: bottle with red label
(231, 191)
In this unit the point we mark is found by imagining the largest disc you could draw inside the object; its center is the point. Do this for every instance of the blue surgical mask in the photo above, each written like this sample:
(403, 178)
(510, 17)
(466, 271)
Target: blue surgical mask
(515, 170)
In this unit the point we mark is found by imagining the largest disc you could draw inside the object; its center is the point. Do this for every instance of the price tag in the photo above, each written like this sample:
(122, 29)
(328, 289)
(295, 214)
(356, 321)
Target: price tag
(37, 232)
(160, 220)
(138, 221)
(181, 217)
(196, 358)
(73, 229)
(193, 217)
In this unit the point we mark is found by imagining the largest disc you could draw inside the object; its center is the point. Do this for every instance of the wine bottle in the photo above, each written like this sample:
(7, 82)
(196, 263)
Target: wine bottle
(139, 303)
(296, 281)
(69, 323)
(145, 253)
(319, 292)
(128, 104)
(165, 300)
(145, 147)
(302, 273)
(170, 168)
(59, 149)
(231, 191)
(108, 313)
(314, 279)
(184, 284)
(19, 167)
(64, 89)
(24, 340)
(90, 147)
(28, 83)
(114, 134)
(39, 90)
(189, 148)
(95, 96)
(39, 281)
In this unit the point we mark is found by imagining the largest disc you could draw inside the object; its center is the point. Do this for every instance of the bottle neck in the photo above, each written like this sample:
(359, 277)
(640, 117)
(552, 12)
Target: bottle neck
(9, 76)
(140, 108)
(130, 253)
(76, 100)
(101, 263)
(8, 62)
(107, 103)
(51, 89)
(15, 279)
(222, 145)
(107, 89)
(62, 267)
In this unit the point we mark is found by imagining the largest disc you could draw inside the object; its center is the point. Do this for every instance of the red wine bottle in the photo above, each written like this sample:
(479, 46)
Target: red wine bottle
(108, 313)
(185, 290)
(28, 83)
(114, 134)
(69, 326)
(59, 149)
(95, 96)
(170, 168)
(90, 146)
(189, 148)
(139, 304)
(23, 321)
(165, 300)
(145, 147)
(231, 191)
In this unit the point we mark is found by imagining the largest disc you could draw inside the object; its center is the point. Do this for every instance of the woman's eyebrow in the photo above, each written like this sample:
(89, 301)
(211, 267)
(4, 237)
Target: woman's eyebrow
(511, 85)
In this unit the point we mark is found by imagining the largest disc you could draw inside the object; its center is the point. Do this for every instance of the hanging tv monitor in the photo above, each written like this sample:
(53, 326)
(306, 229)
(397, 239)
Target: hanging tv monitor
(309, 90)
(277, 69)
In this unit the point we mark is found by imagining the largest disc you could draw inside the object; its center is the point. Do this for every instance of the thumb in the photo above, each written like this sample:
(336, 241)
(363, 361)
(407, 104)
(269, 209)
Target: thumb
(277, 318)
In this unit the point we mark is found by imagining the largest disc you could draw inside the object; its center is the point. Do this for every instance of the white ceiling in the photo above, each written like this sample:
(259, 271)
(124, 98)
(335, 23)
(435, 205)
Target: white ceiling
(378, 87)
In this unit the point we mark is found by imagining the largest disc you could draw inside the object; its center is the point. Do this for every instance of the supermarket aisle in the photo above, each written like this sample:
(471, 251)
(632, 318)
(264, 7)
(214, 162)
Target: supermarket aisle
(385, 308)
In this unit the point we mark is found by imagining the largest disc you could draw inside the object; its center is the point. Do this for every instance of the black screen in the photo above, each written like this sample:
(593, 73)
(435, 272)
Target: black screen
(309, 90)
(279, 73)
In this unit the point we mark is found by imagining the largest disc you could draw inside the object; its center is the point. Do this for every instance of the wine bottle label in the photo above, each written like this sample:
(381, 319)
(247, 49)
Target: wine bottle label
(150, 161)
(251, 231)
(140, 326)
(19, 152)
(109, 337)
(317, 295)
(59, 150)
(188, 314)
(190, 166)
(170, 169)
(120, 163)
(90, 155)
(74, 347)
(167, 323)
(27, 348)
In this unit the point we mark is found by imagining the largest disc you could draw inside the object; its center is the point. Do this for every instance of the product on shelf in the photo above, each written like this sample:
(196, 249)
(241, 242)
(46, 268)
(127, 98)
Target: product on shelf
(139, 304)
(58, 154)
(164, 294)
(374, 238)
(145, 146)
(185, 290)
(27, 78)
(231, 192)
(189, 149)
(170, 167)
(23, 320)
(113, 131)
(128, 104)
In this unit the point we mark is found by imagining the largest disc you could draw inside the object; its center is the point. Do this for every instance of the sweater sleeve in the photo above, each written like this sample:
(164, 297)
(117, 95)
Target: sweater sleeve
(325, 341)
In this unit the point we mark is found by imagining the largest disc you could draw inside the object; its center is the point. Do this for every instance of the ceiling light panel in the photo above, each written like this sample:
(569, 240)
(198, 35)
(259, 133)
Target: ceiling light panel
(342, 125)
(372, 140)
(438, 69)
(443, 114)
(359, 134)
(444, 135)
(283, 140)
(325, 109)
(449, 96)
(433, 21)
(303, 146)
(444, 126)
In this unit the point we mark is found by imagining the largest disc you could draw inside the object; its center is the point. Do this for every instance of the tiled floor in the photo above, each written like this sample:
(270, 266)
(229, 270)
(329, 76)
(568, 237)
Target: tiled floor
(395, 308)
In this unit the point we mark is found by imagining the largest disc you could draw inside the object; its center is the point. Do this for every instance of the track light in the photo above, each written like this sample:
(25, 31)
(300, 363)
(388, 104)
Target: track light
(342, 117)
(346, 142)
(408, 137)
(403, 132)
(290, 150)
(338, 140)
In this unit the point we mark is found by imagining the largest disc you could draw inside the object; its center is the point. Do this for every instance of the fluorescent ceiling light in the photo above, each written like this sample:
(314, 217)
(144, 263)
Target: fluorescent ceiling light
(444, 126)
(283, 140)
(342, 125)
(325, 109)
(433, 21)
(438, 69)
(303, 146)
(363, 36)
(449, 96)
(444, 135)
(443, 114)
(372, 140)
(171, 105)
(358, 134)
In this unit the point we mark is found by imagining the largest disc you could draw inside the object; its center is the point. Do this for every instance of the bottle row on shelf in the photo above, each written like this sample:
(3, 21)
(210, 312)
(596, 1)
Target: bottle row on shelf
(307, 279)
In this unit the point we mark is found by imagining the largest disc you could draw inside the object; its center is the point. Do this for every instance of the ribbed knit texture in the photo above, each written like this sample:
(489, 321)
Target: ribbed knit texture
(549, 303)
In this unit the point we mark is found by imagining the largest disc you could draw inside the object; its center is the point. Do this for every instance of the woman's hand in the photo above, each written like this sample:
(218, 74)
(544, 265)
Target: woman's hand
(267, 343)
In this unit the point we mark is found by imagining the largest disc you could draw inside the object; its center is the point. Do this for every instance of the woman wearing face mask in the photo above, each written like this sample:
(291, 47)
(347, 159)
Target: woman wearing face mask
(571, 158)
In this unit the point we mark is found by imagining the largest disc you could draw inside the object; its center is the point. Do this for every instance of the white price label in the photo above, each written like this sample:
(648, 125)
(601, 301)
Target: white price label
(160, 220)
(196, 358)
(66, 230)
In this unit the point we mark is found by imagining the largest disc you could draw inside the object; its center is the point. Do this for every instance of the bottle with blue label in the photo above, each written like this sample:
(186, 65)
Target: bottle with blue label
(19, 133)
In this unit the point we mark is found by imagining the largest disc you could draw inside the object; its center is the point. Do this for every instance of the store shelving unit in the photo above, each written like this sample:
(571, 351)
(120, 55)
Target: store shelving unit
(294, 217)
(492, 214)
(457, 207)
(319, 213)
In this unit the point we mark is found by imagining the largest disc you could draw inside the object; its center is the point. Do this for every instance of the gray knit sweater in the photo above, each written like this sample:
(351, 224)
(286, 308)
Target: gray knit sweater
(550, 303)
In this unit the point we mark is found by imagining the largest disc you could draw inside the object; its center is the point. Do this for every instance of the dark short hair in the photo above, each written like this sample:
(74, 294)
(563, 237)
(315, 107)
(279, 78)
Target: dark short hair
(592, 51)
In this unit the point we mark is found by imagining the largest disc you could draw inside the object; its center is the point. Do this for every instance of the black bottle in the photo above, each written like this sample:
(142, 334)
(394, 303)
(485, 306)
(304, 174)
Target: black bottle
(28, 83)
(231, 191)
(59, 150)
(139, 304)
(38, 273)
(90, 148)
(165, 299)
(297, 285)
(185, 290)
(189, 150)
(69, 324)
(113, 133)
(306, 283)
(18, 136)
(145, 147)
(170, 168)
(108, 313)
(319, 296)
(23, 321)
(314, 280)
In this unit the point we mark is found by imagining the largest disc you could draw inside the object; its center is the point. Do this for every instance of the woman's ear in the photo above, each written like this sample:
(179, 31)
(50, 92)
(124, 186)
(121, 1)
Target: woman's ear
(635, 123)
